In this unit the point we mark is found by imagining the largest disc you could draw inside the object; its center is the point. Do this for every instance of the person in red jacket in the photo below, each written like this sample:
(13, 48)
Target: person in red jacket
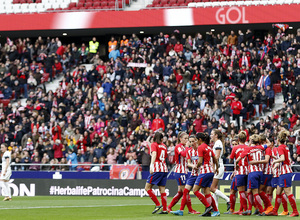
(57, 147)
(56, 132)
(198, 123)
(158, 123)
(58, 67)
(236, 107)
(178, 47)
(293, 119)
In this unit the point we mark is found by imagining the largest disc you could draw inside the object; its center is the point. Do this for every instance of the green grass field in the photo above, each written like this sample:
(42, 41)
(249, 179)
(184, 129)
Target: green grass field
(55, 208)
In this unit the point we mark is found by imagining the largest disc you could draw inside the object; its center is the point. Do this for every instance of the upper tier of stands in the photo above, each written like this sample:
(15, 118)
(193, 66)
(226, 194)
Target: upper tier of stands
(38, 6)
(29, 6)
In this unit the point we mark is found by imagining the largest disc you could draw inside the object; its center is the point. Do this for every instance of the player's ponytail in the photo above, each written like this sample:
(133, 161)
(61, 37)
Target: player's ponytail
(262, 138)
(158, 137)
(255, 139)
(242, 136)
(220, 137)
(180, 135)
(201, 136)
(283, 136)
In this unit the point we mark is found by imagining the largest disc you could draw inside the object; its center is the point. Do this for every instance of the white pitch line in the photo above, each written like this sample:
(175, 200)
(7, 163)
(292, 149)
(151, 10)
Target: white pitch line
(55, 207)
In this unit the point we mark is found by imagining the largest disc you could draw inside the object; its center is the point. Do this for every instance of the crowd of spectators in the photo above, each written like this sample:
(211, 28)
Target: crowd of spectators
(108, 113)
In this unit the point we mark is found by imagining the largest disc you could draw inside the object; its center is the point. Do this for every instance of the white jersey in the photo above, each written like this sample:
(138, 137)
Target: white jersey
(6, 155)
(219, 146)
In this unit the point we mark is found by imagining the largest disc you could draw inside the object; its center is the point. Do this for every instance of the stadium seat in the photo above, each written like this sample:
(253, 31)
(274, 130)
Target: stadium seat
(89, 4)
(96, 4)
(40, 8)
(55, 5)
(38, 1)
(48, 5)
(16, 8)
(64, 5)
(32, 8)
(24, 8)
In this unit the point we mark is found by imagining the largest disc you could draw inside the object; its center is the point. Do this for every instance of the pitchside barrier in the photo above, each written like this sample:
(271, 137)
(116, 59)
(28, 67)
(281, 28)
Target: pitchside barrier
(45, 183)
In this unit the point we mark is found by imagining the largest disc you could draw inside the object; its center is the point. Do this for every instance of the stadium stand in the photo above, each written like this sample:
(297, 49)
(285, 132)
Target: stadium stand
(38, 6)
(167, 82)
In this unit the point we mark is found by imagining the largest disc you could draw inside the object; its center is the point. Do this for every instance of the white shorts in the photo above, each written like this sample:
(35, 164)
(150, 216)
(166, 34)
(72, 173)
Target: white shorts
(7, 176)
(221, 173)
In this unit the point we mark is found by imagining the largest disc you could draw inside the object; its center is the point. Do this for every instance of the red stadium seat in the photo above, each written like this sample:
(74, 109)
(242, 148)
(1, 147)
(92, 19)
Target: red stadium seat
(104, 3)
(156, 2)
(111, 4)
(164, 2)
(81, 1)
(120, 5)
(172, 2)
(96, 4)
(180, 1)
(80, 4)
(72, 5)
(5, 102)
(127, 2)
(38, 1)
(277, 88)
(89, 0)
(89, 4)
(29, 1)
(16, 1)
(23, 1)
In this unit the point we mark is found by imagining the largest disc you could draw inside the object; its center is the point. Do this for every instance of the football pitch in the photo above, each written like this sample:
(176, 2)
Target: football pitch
(67, 207)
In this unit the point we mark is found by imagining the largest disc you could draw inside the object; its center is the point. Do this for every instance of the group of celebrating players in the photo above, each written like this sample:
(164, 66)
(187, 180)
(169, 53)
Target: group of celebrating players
(260, 168)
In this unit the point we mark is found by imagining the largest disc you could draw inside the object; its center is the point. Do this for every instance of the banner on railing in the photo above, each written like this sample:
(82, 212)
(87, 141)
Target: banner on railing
(123, 172)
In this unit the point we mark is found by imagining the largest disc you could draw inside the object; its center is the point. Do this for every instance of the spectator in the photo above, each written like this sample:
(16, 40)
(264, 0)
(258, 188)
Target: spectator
(57, 147)
(72, 159)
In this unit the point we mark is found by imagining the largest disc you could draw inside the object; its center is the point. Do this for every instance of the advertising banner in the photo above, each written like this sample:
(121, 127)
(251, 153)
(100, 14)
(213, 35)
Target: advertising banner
(123, 172)
(94, 187)
(151, 18)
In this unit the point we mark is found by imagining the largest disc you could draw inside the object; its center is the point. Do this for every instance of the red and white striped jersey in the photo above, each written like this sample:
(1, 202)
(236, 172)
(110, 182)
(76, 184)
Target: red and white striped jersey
(180, 159)
(254, 154)
(161, 155)
(275, 156)
(87, 120)
(267, 166)
(192, 155)
(243, 163)
(286, 164)
(206, 153)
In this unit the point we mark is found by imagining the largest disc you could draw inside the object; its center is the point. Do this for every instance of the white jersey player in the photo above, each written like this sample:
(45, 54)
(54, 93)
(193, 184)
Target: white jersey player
(6, 172)
(218, 149)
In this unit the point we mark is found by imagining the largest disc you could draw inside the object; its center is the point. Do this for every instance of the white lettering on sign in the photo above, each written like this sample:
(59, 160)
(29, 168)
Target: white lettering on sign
(224, 16)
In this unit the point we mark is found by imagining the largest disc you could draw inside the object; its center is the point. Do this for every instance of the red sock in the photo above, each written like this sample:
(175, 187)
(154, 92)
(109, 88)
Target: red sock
(258, 202)
(175, 199)
(270, 197)
(232, 201)
(250, 200)
(153, 197)
(211, 201)
(243, 199)
(202, 198)
(189, 203)
(184, 199)
(163, 197)
(265, 199)
(293, 203)
(241, 208)
(277, 202)
(284, 203)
